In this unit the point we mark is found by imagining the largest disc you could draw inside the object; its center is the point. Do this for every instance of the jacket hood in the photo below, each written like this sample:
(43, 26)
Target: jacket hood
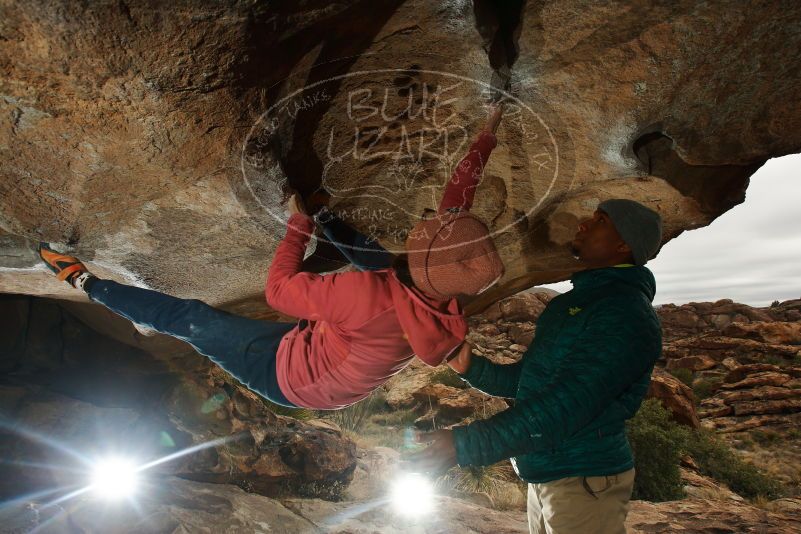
(637, 276)
(432, 327)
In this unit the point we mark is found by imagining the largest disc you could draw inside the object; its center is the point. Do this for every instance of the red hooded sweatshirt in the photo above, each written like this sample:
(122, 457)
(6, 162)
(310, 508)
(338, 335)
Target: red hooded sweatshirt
(362, 327)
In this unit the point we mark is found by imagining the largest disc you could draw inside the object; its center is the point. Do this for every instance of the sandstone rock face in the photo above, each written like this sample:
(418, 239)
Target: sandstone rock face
(744, 364)
(746, 391)
(778, 333)
(676, 397)
(154, 141)
(448, 405)
(524, 307)
(695, 317)
(751, 396)
(692, 363)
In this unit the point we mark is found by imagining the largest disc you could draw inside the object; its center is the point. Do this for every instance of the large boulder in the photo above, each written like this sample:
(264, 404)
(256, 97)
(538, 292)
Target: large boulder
(780, 333)
(520, 307)
(158, 142)
(675, 396)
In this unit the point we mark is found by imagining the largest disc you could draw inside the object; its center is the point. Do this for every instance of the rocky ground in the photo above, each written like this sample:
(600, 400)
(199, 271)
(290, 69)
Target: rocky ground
(176, 505)
(298, 473)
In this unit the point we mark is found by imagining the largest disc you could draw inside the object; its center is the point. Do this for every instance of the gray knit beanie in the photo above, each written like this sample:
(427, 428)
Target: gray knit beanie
(639, 226)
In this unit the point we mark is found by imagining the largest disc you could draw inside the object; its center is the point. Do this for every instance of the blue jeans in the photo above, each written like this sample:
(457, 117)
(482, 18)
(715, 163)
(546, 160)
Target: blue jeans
(245, 348)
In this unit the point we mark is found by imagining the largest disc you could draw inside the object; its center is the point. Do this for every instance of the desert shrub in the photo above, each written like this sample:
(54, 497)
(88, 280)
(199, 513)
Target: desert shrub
(302, 414)
(766, 437)
(777, 360)
(657, 442)
(492, 480)
(354, 416)
(395, 418)
(448, 377)
(704, 388)
(683, 374)
(744, 443)
(717, 460)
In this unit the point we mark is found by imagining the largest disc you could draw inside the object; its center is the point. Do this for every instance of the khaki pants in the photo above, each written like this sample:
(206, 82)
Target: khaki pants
(566, 506)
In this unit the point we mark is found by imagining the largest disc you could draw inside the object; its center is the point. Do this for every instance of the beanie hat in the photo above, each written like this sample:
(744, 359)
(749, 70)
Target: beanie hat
(451, 254)
(639, 226)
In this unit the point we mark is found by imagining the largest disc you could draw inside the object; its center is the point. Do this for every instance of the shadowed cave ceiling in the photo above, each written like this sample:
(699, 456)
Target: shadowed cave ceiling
(157, 141)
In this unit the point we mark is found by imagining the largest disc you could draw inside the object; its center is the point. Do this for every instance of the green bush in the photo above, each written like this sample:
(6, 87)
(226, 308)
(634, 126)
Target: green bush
(448, 377)
(683, 374)
(777, 360)
(744, 443)
(657, 442)
(717, 460)
(766, 437)
(706, 387)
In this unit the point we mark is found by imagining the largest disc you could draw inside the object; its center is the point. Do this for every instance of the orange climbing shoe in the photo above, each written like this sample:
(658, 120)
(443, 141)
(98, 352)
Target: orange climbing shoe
(67, 268)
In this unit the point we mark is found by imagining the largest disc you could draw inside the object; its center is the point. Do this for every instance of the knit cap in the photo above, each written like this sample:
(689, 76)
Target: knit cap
(452, 253)
(639, 226)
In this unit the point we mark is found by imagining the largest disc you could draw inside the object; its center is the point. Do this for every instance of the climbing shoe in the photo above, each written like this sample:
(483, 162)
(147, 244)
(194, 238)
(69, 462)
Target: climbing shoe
(67, 268)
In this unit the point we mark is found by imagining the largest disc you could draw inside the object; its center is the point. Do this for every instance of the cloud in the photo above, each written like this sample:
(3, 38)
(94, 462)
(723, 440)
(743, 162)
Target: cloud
(750, 254)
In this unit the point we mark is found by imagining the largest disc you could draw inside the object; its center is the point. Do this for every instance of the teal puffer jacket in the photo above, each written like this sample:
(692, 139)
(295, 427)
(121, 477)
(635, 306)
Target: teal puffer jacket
(586, 372)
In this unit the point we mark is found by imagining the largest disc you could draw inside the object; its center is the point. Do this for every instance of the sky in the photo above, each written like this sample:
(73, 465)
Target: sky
(750, 254)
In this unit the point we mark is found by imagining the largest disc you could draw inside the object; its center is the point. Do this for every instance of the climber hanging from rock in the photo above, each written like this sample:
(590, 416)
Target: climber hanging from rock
(356, 329)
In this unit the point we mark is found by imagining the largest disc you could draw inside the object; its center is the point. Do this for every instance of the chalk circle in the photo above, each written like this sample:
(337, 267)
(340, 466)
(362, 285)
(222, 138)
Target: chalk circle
(268, 124)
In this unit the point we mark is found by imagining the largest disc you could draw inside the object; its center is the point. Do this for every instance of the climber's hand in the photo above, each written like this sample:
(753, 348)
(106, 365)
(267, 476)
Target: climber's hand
(437, 457)
(295, 204)
(460, 362)
(495, 114)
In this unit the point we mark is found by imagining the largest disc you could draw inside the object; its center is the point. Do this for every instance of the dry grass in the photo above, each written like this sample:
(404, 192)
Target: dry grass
(498, 482)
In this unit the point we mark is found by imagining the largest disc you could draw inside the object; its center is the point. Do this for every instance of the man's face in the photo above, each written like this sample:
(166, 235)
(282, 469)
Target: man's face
(597, 241)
